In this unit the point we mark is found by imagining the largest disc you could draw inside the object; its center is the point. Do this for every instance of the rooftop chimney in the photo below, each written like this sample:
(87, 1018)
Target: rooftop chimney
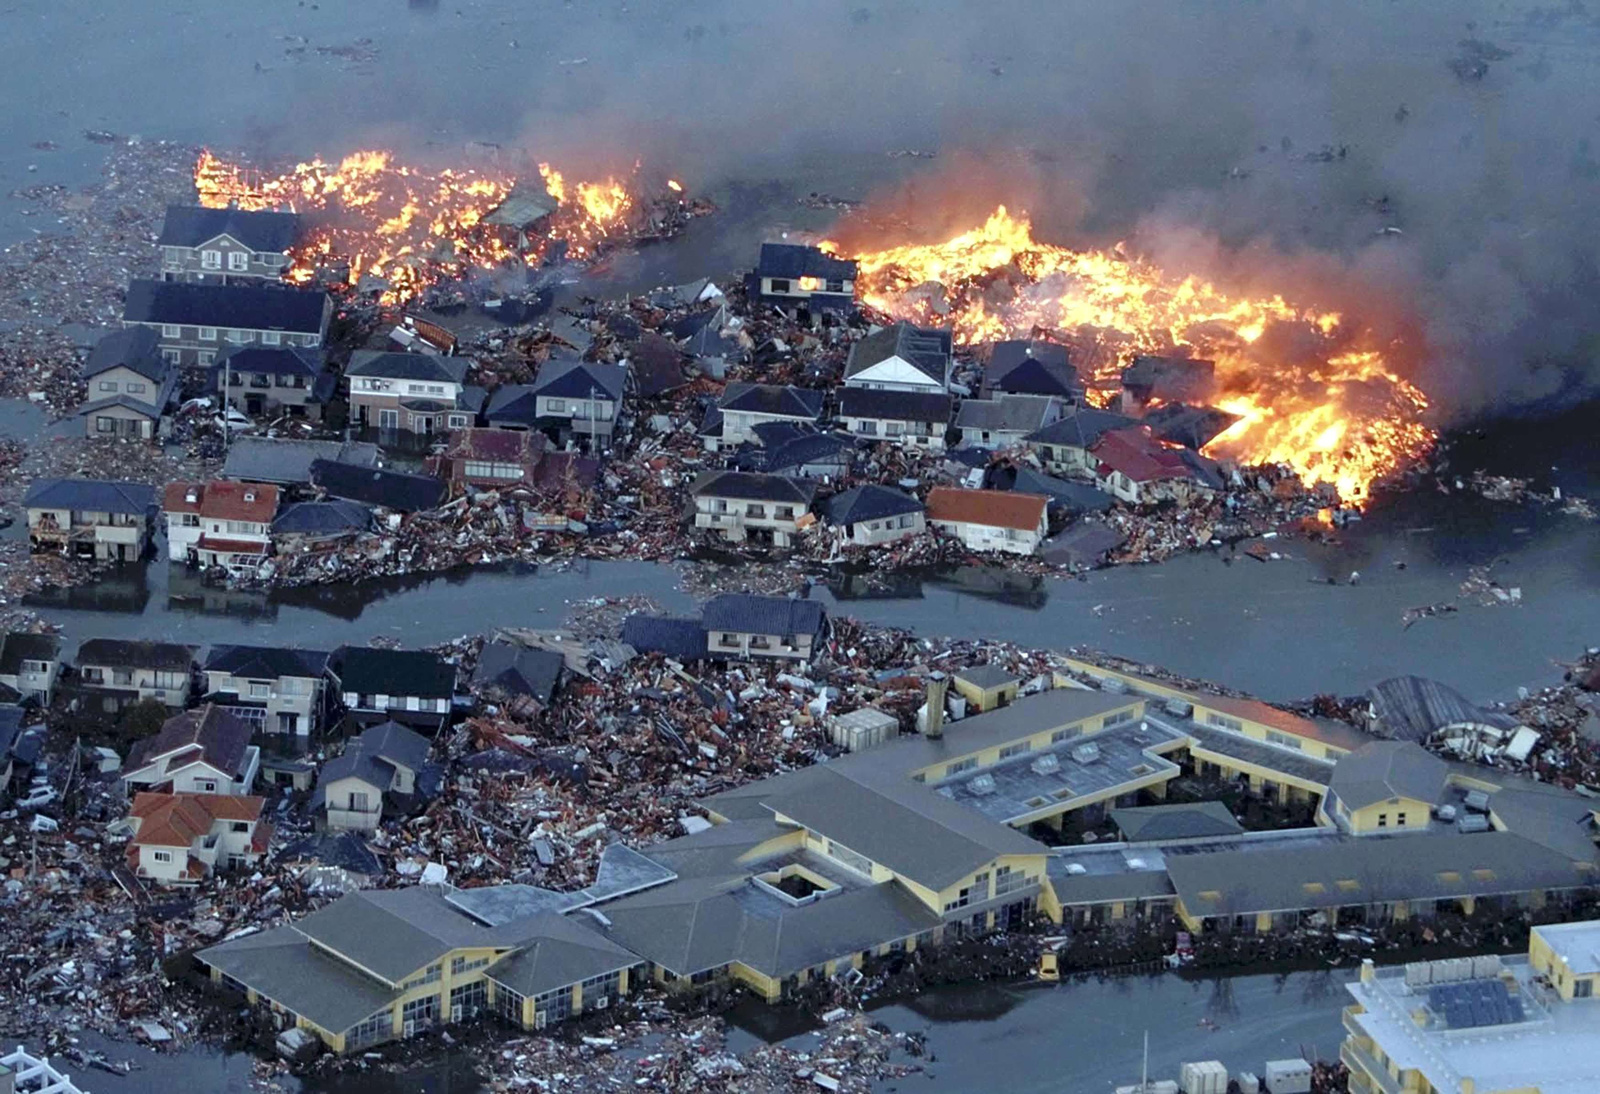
(933, 727)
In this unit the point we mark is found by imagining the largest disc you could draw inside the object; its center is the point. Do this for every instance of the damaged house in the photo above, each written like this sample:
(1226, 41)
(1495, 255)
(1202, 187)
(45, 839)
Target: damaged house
(871, 514)
(274, 381)
(516, 677)
(990, 520)
(395, 491)
(919, 419)
(220, 523)
(744, 507)
(1065, 446)
(493, 459)
(1413, 708)
(746, 627)
(202, 751)
(90, 518)
(1150, 379)
(1137, 468)
(413, 687)
(419, 394)
(1003, 422)
(378, 768)
(115, 672)
(318, 526)
(131, 386)
(226, 246)
(575, 402)
(180, 839)
(744, 406)
(1031, 367)
(795, 278)
(29, 666)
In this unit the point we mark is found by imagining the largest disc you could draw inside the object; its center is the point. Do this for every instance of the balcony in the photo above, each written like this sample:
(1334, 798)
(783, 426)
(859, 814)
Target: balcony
(1365, 1072)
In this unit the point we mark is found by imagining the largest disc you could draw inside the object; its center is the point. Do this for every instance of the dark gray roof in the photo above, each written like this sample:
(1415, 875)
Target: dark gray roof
(927, 349)
(807, 449)
(354, 762)
(395, 743)
(274, 360)
(749, 614)
(1412, 708)
(1080, 427)
(793, 402)
(397, 932)
(680, 638)
(266, 662)
(283, 966)
(512, 403)
(750, 486)
(902, 406)
(10, 729)
(221, 737)
(1172, 379)
(332, 517)
(564, 377)
(91, 495)
(246, 307)
(1191, 426)
(136, 348)
(148, 408)
(1382, 770)
(1078, 497)
(260, 230)
(1031, 368)
(1082, 545)
(519, 670)
(558, 951)
(795, 260)
(346, 850)
(407, 366)
(870, 502)
(119, 652)
(20, 646)
(286, 462)
(373, 671)
(1184, 820)
(1008, 413)
(1375, 870)
(373, 486)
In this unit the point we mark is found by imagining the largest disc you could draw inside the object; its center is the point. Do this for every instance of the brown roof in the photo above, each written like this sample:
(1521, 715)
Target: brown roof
(222, 737)
(1328, 732)
(177, 820)
(222, 500)
(233, 546)
(996, 508)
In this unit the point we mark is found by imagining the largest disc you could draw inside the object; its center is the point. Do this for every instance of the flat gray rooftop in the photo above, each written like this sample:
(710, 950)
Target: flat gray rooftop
(1246, 750)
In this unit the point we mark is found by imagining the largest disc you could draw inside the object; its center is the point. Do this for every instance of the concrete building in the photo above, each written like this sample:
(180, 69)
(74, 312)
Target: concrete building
(226, 246)
(90, 518)
(197, 322)
(201, 751)
(378, 768)
(915, 419)
(220, 523)
(179, 839)
(870, 515)
(1479, 1025)
(792, 277)
(990, 520)
(273, 689)
(986, 687)
(901, 357)
(114, 672)
(745, 507)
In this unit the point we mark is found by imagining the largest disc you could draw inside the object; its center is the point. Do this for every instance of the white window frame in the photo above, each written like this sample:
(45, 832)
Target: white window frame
(161, 856)
(238, 261)
(171, 330)
(208, 334)
(210, 260)
(270, 338)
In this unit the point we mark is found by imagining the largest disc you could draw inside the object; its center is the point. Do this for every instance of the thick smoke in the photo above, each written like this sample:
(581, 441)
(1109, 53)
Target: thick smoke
(1201, 133)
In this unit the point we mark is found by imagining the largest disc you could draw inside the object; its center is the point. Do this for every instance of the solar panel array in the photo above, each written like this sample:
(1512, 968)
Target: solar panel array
(1474, 1003)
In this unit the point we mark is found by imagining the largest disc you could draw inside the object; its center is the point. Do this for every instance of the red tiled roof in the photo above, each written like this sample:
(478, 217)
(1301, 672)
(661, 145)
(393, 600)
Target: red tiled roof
(1139, 456)
(177, 820)
(261, 838)
(995, 508)
(222, 500)
(232, 546)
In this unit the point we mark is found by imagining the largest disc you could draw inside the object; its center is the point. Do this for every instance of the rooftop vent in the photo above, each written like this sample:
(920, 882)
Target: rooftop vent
(249, 495)
(1046, 764)
(1076, 868)
(983, 784)
(192, 495)
(1473, 822)
(1179, 708)
(1086, 753)
(1478, 801)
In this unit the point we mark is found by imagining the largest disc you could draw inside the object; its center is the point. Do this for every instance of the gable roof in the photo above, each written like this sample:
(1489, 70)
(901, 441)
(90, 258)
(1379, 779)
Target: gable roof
(557, 951)
(91, 495)
(1080, 427)
(119, 652)
(1171, 379)
(1008, 413)
(171, 820)
(1033, 367)
(19, 646)
(809, 448)
(1191, 426)
(1076, 496)
(889, 405)
(1137, 454)
(395, 743)
(797, 260)
(372, 671)
(220, 737)
(276, 460)
(1382, 770)
(870, 502)
(500, 445)
(1414, 708)
(274, 360)
(926, 349)
(513, 403)
(265, 662)
(332, 517)
(145, 408)
(750, 614)
(284, 967)
(407, 366)
(396, 932)
(1185, 820)
(564, 377)
(238, 307)
(223, 500)
(260, 230)
(519, 670)
(786, 400)
(752, 486)
(374, 486)
(136, 348)
(679, 637)
(994, 508)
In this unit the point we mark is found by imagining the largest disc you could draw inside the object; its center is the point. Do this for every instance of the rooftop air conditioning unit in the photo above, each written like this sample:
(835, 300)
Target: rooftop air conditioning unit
(1076, 868)
(602, 1003)
(983, 784)
(1086, 753)
(1046, 764)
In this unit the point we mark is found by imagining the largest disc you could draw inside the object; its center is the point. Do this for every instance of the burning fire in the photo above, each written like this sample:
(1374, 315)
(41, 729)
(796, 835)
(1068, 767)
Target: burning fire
(1349, 420)
(404, 225)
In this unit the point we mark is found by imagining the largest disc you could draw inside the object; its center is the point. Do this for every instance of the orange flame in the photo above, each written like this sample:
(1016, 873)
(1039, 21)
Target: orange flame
(1350, 421)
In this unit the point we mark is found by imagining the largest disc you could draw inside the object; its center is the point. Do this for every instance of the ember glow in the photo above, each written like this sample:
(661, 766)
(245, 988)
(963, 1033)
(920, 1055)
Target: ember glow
(407, 226)
(1347, 419)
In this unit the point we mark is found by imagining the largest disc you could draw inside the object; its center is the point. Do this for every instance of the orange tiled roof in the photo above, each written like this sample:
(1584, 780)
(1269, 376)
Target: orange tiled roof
(995, 508)
(177, 820)
(222, 500)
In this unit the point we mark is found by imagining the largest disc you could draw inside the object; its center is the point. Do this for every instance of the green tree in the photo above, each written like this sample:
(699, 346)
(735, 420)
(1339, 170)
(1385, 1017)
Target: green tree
(140, 720)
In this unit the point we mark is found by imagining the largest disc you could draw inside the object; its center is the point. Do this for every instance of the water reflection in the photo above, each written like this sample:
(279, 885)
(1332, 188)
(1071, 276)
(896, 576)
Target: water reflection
(876, 585)
(124, 589)
(994, 584)
(189, 591)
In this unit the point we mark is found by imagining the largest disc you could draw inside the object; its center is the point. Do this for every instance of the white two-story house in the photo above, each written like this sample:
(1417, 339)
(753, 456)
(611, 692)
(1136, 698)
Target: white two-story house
(201, 751)
(744, 406)
(117, 672)
(572, 401)
(990, 520)
(179, 839)
(747, 507)
(220, 523)
(792, 276)
(272, 688)
(381, 764)
(901, 357)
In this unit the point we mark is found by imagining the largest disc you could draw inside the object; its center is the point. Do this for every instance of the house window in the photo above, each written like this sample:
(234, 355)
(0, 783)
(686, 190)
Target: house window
(171, 356)
(1016, 750)
(459, 421)
(122, 677)
(206, 786)
(211, 260)
(420, 1013)
(102, 424)
(1583, 989)
(207, 356)
(238, 337)
(1222, 721)
(108, 385)
(1399, 820)
(961, 765)
(857, 862)
(835, 285)
(171, 330)
(208, 334)
(892, 428)
(719, 505)
(161, 856)
(239, 827)
(755, 510)
(238, 260)
(136, 389)
(259, 690)
(1284, 740)
(780, 284)
(557, 406)
(270, 338)
(1383, 820)
(358, 801)
(869, 428)
(786, 512)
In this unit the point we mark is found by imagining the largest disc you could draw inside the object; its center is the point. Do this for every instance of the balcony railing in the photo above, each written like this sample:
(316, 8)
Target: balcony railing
(1364, 1065)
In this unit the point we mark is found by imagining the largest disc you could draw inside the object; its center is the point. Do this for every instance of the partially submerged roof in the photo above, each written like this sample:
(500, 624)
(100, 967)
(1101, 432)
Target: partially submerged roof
(992, 508)
(746, 613)
(396, 490)
(91, 495)
(285, 462)
(870, 502)
(519, 670)
(1184, 820)
(1382, 770)
(260, 230)
(322, 518)
(235, 307)
(1413, 708)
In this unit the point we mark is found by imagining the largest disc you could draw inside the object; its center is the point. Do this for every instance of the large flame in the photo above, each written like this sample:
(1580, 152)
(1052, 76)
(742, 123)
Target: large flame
(407, 226)
(1348, 420)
